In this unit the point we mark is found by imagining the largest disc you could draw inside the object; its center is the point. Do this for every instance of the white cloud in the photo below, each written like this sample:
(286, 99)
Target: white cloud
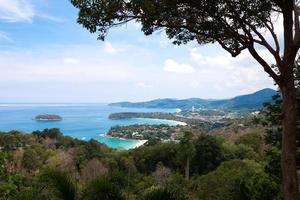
(16, 11)
(225, 60)
(225, 73)
(77, 66)
(219, 60)
(87, 73)
(4, 36)
(71, 61)
(143, 85)
(108, 48)
(50, 17)
(172, 66)
(164, 41)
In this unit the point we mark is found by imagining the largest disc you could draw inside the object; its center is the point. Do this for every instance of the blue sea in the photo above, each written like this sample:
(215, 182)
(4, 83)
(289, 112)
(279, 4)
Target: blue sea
(82, 121)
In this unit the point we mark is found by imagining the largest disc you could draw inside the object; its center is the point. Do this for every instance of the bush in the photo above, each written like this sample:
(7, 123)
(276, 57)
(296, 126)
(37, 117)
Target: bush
(208, 154)
(157, 193)
(235, 180)
(102, 189)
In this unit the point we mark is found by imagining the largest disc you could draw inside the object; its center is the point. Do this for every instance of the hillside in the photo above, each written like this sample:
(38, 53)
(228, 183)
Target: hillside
(248, 101)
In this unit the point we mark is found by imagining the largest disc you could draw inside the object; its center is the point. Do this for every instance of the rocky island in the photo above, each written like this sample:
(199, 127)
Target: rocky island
(48, 117)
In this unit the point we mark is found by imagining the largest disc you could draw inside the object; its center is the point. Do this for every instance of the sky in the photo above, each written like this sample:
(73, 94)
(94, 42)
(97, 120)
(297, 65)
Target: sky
(46, 57)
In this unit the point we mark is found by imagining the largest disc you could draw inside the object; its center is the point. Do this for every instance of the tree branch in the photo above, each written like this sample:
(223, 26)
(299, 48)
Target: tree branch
(266, 66)
(264, 43)
(275, 38)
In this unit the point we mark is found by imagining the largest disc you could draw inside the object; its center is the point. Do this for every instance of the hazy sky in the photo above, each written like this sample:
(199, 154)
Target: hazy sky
(45, 56)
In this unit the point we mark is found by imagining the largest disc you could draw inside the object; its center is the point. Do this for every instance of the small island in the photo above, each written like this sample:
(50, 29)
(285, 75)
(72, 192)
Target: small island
(48, 117)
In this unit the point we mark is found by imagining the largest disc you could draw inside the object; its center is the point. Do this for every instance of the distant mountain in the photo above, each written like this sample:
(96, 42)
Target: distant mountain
(249, 101)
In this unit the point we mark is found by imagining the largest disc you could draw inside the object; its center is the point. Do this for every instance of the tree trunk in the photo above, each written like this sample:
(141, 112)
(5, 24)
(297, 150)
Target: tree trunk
(289, 123)
(187, 169)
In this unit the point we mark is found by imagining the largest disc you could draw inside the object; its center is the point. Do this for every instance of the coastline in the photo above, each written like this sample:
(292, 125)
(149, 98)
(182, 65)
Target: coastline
(169, 120)
(137, 144)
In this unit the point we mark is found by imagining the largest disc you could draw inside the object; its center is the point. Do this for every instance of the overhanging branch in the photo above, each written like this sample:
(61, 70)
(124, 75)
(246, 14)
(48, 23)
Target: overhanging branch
(264, 64)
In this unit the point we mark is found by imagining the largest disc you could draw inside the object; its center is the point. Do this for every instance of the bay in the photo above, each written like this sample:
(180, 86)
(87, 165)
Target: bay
(82, 121)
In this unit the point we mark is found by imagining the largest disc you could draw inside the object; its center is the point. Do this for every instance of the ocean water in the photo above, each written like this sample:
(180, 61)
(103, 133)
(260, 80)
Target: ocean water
(82, 121)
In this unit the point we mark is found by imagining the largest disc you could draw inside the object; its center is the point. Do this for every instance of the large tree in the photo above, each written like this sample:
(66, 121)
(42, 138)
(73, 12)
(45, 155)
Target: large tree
(236, 25)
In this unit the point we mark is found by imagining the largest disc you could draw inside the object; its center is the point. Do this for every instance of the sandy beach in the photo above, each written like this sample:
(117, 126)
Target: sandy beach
(139, 143)
(181, 123)
(136, 145)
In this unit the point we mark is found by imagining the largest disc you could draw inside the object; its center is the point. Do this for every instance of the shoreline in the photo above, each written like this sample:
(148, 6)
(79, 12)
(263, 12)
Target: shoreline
(142, 142)
(137, 144)
(170, 120)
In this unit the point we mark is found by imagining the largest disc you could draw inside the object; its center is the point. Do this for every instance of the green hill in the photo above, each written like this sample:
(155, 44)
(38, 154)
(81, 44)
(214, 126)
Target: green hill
(249, 101)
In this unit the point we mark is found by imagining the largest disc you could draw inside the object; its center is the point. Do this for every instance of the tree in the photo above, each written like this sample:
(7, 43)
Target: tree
(186, 151)
(161, 174)
(31, 160)
(208, 154)
(235, 26)
(157, 193)
(253, 139)
(102, 189)
(272, 117)
(62, 184)
(272, 114)
(53, 133)
(93, 169)
(237, 179)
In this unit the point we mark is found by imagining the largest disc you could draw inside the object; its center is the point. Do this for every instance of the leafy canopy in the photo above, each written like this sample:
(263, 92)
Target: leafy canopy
(235, 25)
(184, 20)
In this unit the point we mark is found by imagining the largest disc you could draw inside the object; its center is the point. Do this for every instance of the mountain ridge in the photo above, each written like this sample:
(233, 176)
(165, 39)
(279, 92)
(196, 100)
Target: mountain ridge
(247, 101)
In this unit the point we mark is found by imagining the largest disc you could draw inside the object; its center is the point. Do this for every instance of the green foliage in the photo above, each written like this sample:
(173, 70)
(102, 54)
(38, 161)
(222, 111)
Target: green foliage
(157, 193)
(88, 151)
(102, 189)
(33, 192)
(178, 187)
(235, 180)
(186, 145)
(273, 115)
(60, 183)
(31, 160)
(53, 133)
(186, 151)
(7, 189)
(12, 140)
(233, 151)
(147, 157)
(273, 164)
(4, 157)
(272, 121)
(253, 140)
(184, 21)
(154, 171)
(208, 154)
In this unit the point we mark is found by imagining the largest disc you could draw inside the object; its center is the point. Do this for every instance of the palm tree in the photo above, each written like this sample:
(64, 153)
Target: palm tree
(187, 151)
(101, 189)
(61, 183)
(158, 194)
(63, 187)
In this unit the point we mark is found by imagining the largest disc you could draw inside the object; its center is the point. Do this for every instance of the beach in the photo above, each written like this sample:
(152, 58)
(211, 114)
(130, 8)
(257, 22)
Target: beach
(139, 143)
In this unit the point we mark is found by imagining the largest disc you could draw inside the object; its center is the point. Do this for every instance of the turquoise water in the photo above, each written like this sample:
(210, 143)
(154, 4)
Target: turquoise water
(82, 121)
